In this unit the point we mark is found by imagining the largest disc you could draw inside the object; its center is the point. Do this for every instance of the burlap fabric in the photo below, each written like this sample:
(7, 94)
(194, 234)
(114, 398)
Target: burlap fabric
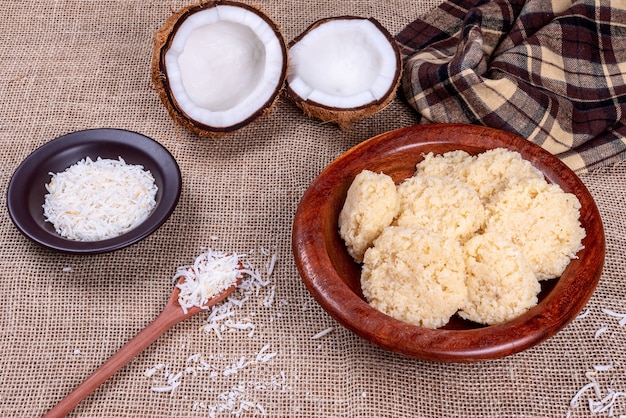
(68, 65)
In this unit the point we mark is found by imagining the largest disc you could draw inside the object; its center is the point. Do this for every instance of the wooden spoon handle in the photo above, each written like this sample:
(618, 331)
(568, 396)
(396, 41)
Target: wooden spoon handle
(170, 316)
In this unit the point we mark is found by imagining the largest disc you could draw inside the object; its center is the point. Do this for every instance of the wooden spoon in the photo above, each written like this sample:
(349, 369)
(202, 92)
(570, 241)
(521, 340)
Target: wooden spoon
(171, 315)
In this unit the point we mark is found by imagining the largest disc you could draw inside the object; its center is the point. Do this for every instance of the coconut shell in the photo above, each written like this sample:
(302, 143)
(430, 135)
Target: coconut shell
(162, 41)
(345, 118)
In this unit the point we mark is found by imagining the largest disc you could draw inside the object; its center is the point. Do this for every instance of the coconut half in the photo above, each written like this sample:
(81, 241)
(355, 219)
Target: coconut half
(343, 69)
(217, 66)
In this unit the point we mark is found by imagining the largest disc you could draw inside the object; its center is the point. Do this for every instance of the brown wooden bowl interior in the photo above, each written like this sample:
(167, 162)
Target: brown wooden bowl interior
(333, 278)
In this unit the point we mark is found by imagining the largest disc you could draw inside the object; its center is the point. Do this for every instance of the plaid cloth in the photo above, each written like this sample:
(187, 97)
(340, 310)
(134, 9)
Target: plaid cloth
(553, 72)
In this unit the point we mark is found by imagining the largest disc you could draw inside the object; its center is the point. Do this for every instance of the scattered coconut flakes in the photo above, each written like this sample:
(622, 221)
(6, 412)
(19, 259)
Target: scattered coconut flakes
(600, 331)
(574, 401)
(234, 369)
(172, 382)
(196, 363)
(261, 409)
(150, 372)
(323, 333)
(264, 357)
(601, 403)
(240, 325)
(222, 318)
(239, 399)
(271, 265)
(268, 301)
(616, 315)
(238, 302)
(193, 358)
(584, 314)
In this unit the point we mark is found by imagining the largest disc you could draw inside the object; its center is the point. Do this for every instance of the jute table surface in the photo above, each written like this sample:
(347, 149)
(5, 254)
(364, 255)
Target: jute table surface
(68, 65)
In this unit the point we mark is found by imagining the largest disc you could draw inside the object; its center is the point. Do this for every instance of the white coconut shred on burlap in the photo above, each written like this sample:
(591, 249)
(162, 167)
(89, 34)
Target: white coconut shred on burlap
(101, 199)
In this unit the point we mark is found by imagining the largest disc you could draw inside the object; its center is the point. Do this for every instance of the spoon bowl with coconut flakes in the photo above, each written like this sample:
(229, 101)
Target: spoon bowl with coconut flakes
(212, 277)
(94, 191)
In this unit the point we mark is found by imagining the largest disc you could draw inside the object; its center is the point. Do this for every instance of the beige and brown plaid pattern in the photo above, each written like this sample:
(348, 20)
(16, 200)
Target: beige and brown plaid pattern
(553, 72)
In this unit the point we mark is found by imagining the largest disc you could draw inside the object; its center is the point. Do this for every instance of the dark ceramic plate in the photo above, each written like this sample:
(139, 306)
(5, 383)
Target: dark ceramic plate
(26, 191)
(333, 278)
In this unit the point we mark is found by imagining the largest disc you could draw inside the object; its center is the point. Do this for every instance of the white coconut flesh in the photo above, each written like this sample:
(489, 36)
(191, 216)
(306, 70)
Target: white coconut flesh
(343, 64)
(223, 65)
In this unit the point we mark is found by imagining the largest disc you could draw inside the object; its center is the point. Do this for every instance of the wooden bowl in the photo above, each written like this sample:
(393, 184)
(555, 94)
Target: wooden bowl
(333, 278)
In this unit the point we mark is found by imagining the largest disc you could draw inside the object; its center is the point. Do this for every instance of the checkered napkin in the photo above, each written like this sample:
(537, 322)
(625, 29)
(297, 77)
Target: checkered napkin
(553, 72)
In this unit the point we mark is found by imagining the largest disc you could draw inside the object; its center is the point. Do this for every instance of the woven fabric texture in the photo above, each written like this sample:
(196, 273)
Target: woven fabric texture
(552, 72)
(68, 65)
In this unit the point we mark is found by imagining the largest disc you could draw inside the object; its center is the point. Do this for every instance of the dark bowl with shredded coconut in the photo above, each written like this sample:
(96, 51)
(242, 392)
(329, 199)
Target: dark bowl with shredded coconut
(27, 188)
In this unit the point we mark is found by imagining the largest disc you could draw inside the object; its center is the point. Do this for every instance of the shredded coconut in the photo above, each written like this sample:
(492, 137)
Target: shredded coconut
(600, 331)
(584, 314)
(96, 200)
(323, 333)
(372, 202)
(237, 399)
(233, 315)
(415, 275)
(271, 265)
(598, 402)
(526, 229)
(210, 274)
(622, 316)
